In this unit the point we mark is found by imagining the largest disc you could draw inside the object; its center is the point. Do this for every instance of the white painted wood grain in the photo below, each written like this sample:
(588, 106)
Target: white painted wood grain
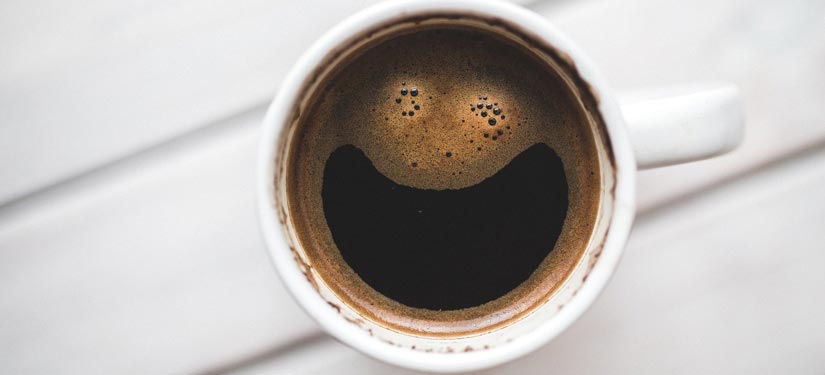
(729, 282)
(774, 50)
(157, 267)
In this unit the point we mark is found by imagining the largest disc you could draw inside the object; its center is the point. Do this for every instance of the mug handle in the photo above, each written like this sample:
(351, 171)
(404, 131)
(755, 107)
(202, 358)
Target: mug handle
(678, 124)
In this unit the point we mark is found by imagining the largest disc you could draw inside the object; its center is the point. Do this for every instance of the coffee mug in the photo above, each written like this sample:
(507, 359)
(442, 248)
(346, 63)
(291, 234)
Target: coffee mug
(641, 129)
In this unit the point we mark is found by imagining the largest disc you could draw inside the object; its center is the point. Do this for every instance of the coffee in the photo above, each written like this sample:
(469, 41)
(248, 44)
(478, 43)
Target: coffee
(443, 180)
(445, 249)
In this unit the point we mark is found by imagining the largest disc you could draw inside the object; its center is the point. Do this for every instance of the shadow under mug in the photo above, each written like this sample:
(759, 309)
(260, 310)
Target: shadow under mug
(641, 129)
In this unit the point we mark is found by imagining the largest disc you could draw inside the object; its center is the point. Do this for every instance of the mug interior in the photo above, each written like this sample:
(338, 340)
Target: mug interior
(493, 336)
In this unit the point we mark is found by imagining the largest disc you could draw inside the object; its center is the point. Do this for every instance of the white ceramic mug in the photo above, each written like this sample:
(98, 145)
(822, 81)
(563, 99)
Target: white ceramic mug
(649, 128)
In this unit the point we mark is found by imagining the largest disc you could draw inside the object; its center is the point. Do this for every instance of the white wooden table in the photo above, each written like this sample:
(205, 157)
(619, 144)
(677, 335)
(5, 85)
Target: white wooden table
(128, 235)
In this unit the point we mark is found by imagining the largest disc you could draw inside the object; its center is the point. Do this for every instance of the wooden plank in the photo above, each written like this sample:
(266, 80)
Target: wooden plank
(153, 267)
(729, 282)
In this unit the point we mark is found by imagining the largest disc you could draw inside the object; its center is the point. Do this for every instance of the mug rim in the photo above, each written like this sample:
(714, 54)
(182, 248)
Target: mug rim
(287, 267)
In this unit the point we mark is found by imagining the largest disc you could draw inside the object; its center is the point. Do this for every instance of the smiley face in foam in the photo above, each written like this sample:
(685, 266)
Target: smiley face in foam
(443, 181)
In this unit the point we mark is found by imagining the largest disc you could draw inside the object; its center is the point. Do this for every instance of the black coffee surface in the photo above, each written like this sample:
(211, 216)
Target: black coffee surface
(445, 249)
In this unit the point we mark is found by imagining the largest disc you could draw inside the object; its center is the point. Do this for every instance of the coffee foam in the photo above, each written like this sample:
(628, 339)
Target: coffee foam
(446, 143)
